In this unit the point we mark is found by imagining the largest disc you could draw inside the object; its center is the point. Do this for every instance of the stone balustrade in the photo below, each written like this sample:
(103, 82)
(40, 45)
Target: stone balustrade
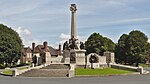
(125, 67)
(16, 72)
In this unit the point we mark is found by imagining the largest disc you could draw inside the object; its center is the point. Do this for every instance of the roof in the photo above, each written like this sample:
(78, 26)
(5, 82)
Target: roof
(27, 50)
(53, 51)
(40, 49)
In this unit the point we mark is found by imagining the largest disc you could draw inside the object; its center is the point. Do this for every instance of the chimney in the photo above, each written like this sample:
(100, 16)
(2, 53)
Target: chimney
(59, 46)
(45, 44)
(33, 47)
(59, 52)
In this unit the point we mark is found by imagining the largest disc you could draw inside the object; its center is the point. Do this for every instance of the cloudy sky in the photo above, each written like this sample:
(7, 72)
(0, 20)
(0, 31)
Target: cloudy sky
(49, 20)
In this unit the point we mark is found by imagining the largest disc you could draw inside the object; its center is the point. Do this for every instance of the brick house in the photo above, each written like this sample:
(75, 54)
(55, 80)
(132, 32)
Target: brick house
(26, 55)
(44, 54)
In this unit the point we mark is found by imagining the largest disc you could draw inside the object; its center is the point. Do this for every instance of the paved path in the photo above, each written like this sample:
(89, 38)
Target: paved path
(128, 79)
(1, 70)
(148, 68)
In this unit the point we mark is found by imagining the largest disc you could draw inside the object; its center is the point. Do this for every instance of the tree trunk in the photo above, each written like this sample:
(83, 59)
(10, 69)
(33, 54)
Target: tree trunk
(137, 64)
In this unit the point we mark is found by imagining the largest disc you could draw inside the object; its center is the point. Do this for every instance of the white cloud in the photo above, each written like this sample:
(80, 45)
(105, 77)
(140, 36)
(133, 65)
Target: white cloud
(65, 37)
(23, 31)
(27, 37)
(4, 23)
(149, 40)
(82, 38)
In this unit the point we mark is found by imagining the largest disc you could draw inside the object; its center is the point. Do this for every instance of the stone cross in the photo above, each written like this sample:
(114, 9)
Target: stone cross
(73, 10)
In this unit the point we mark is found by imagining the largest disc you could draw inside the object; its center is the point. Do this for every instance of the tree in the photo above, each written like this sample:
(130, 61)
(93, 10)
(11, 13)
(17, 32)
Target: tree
(96, 43)
(133, 48)
(121, 49)
(138, 43)
(10, 45)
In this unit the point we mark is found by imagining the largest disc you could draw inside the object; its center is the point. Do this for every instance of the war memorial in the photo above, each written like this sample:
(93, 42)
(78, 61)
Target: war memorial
(48, 60)
(73, 51)
(61, 62)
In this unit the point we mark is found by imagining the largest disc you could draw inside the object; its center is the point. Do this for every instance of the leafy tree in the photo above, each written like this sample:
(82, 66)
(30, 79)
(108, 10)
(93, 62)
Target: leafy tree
(96, 43)
(133, 48)
(121, 49)
(10, 45)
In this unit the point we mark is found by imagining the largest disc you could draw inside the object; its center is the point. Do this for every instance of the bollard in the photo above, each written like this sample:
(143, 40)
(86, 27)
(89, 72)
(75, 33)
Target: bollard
(71, 71)
(32, 64)
(140, 69)
(45, 65)
(14, 72)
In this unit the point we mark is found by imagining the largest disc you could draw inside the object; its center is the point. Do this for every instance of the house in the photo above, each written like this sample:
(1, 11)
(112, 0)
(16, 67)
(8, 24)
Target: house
(26, 55)
(45, 54)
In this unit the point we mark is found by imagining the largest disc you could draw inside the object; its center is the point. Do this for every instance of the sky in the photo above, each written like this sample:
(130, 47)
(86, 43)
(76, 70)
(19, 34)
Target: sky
(50, 20)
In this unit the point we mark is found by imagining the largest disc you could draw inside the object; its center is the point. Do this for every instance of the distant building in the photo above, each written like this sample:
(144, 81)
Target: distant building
(26, 55)
(43, 53)
(46, 54)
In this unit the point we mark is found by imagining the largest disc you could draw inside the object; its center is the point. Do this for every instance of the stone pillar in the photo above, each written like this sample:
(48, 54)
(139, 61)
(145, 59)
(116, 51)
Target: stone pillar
(141, 70)
(72, 71)
(110, 57)
(32, 64)
(15, 72)
(79, 57)
(66, 56)
(73, 10)
(48, 58)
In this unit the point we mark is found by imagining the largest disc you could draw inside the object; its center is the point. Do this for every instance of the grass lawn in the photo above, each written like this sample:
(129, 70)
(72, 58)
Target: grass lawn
(143, 65)
(98, 72)
(8, 72)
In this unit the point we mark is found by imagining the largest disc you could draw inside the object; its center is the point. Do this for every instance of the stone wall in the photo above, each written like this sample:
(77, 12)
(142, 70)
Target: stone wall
(57, 59)
(80, 57)
(66, 56)
(48, 58)
(124, 67)
(101, 61)
(110, 57)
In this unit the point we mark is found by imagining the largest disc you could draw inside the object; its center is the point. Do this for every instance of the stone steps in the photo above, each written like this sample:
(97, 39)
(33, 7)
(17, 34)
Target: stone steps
(53, 70)
(56, 66)
(46, 73)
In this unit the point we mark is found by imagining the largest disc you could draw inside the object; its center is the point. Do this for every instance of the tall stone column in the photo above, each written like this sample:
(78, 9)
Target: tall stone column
(73, 10)
(71, 51)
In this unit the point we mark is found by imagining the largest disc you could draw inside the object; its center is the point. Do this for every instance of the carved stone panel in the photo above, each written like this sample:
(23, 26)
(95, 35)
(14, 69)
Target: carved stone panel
(72, 57)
